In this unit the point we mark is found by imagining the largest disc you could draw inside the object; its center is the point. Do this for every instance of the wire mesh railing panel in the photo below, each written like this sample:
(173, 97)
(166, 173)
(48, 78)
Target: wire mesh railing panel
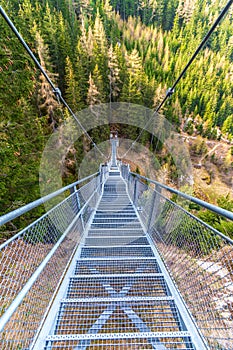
(117, 266)
(20, 258)
(85, 192)
(94, 286)
(31, 266)
(201, 264)
(21, 328)
(199, 260)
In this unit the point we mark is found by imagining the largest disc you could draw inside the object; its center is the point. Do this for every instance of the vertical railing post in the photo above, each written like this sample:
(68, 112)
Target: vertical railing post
(102, 176)
(77, 202)
(128, 172)
(130, 181)
(125, 171)
(154, 206)
(151, 211)
(74, 199)
(135, 197)
(158, 190)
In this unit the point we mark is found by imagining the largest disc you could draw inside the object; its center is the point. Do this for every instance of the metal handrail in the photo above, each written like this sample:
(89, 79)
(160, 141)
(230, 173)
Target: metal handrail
(220, 211)
(26, 208)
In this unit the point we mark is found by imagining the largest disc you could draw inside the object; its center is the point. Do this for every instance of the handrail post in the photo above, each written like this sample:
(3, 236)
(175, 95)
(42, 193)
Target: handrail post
(125, 171)
(135, 197)
(158, 191)
(77, 202)
(154, 206)
(151, 211)
(102, 177)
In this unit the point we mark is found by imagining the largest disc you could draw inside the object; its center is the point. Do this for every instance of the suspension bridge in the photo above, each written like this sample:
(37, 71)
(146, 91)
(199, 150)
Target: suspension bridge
(116, 264)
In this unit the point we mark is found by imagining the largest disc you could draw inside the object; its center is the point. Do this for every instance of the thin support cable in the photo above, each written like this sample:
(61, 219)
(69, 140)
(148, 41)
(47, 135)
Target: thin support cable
(171, 90)
(55, 89)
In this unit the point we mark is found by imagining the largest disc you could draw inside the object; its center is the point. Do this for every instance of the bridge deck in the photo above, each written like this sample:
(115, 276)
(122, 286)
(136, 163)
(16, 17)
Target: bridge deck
(117, 293)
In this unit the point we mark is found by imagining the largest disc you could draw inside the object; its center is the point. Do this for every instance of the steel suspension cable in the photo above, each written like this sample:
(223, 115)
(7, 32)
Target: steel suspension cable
(56, 90)
(202, 44)
(171, 90)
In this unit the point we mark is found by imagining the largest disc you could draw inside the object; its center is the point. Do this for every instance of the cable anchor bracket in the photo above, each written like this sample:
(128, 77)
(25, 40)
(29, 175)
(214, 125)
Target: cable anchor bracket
(170, 92)
(57, 92)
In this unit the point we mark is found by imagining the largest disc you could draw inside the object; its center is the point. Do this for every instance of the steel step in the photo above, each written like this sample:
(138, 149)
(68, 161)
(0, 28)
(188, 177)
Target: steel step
(117, 266)
(122, 341)
(86, 287)
(129, 251)
(110, 241)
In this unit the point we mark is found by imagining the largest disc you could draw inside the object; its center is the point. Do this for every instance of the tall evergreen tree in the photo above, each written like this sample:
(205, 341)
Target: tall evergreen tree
(132, 87)
(93, 95)
(47, 102)
(114, 75)
(73, 95)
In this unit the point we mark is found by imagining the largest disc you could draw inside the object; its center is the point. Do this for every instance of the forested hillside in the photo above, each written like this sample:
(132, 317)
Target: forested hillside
(102, 51)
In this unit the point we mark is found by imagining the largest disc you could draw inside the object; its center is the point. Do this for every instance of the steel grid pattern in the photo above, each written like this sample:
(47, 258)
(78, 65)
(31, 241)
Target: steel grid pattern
(109, 241)
(116, 232)
(128, 316)
(116, 266)
(59, 230)
(116, 251)
(117, 296)
(95, 287)
(181, 343)
(199, 259)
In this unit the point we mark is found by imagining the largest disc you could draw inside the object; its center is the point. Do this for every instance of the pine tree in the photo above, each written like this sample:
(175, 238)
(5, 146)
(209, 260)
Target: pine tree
(100, 47)
(98, 81)
(83, 64)
(132, 87)
(114, 75)
(228, 125)
(93, 95)
(83, 7)
(73, 96)
(185, 9)
(47, 102)
(26, 17)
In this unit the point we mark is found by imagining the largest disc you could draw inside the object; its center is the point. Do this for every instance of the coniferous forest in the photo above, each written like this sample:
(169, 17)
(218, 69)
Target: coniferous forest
(102, 51)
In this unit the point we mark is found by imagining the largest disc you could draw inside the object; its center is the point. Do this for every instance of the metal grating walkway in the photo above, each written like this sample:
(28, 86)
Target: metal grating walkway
(117, 294)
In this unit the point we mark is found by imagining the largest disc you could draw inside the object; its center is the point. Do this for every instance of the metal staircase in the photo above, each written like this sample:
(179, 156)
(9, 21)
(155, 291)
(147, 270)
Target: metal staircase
(117, 295)
(116, 265)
